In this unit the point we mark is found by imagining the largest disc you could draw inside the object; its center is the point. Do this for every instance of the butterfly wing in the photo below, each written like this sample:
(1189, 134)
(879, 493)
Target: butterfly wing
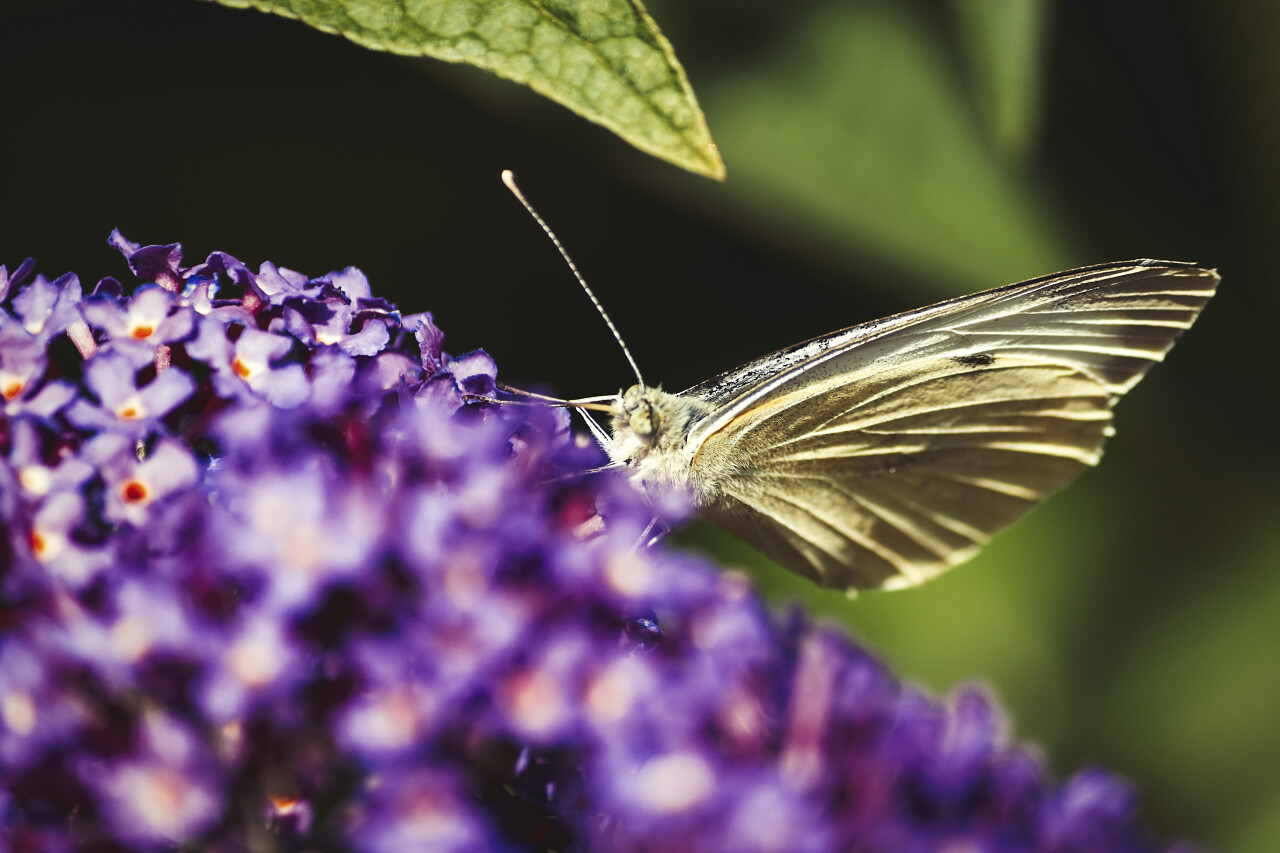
(883, 454)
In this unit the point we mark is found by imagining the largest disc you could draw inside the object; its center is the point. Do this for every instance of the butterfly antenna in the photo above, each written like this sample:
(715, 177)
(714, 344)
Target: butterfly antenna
(510, 180)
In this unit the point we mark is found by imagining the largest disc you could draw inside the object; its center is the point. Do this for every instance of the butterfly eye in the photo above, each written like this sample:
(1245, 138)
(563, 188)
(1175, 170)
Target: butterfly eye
(642, 417)
(644, 420)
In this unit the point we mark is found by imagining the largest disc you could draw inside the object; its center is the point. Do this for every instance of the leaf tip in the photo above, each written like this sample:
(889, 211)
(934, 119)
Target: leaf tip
(715, 163)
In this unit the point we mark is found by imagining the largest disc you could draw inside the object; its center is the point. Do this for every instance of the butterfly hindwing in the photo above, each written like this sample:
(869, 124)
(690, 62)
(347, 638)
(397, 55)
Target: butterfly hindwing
(890, 480)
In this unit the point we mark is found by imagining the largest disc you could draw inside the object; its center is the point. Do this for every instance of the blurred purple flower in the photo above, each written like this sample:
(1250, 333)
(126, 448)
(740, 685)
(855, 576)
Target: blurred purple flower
(37, 716)
(279, 577)
(159, 264)
(166, 790)
(52, 542)
(111, 377)
(134, 485)
(24, 386)
(46, 308)
(151, 317)
(8, 281)
(36, 474)
(343, 313)
(252, 365)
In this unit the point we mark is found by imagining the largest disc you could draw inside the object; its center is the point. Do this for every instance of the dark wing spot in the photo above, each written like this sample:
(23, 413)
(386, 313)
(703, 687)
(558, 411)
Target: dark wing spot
(977, 359)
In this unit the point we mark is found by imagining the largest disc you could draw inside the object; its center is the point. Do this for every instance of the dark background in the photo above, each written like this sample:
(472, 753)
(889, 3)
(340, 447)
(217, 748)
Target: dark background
(1134, 621)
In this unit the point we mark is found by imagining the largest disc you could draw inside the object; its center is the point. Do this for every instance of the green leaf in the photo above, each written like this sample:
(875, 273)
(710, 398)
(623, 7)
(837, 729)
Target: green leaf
(857, 131)
(1002, 41)
(604, 59)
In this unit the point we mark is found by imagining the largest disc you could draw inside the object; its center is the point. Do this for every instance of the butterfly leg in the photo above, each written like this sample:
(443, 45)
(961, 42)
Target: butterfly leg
(654, 533)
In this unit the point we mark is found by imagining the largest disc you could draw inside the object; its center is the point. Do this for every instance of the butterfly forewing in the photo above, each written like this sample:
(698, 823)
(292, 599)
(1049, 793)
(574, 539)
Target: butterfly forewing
(883, 454)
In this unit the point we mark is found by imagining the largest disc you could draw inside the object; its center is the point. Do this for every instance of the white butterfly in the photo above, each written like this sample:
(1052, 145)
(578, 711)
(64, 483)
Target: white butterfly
(880, 455)
(883, 454)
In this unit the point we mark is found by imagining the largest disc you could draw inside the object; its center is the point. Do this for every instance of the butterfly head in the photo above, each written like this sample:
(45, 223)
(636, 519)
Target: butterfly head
(642, 411)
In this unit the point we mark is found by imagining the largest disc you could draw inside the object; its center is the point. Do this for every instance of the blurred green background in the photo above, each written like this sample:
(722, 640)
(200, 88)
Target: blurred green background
(881, 156)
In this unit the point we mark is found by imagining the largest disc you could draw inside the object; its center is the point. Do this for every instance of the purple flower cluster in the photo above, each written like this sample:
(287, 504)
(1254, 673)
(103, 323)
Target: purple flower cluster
(274, 576)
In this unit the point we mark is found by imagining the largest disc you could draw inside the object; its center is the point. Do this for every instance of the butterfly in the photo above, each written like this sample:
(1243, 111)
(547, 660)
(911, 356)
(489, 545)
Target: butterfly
(883, 454)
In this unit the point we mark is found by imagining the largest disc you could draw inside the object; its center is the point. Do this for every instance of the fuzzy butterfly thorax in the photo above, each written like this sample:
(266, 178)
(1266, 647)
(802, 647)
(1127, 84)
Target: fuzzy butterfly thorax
(651, 438)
